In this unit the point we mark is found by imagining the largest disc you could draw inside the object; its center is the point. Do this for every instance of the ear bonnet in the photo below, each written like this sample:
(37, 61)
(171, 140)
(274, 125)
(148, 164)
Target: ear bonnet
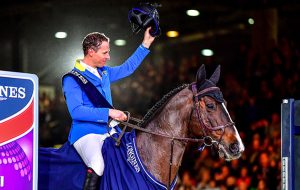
(203, 83)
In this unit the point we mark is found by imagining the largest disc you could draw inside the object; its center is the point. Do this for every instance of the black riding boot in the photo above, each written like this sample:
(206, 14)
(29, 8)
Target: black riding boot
(91, 180)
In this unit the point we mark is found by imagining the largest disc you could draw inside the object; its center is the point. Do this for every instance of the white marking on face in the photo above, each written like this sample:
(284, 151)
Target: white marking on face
(238, 138)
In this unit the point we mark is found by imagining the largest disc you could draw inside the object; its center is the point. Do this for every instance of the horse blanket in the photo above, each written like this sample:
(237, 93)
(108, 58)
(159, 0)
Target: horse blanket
(63, 168)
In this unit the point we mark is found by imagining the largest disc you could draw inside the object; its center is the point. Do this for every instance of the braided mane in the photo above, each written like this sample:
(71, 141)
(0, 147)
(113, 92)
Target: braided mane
(160, 104)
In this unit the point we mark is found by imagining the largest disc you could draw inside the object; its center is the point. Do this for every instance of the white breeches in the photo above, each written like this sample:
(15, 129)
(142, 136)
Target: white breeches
(89, 147)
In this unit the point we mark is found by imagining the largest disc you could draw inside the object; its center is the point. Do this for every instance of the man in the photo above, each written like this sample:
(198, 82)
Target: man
(89, 126)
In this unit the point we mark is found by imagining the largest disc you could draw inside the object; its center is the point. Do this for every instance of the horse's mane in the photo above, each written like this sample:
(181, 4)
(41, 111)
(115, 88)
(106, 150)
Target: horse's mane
(160, 104)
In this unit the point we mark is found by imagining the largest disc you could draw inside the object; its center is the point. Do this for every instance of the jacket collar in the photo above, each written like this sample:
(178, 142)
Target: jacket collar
(86, 72)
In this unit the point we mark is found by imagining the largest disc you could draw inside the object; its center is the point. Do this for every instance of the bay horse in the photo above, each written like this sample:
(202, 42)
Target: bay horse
(190, 113)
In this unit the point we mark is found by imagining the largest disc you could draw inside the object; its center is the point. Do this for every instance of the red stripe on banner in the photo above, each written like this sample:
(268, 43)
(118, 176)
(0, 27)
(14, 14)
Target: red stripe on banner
(17, 125)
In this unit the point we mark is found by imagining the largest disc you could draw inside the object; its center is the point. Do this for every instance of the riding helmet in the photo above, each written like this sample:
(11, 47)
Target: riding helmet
(143, 16)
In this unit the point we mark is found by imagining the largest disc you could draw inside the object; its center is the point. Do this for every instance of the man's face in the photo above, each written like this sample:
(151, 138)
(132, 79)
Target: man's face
(101, 56)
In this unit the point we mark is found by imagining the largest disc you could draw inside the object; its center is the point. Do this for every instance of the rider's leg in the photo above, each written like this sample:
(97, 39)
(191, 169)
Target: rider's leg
(91, 180)
(89, 148)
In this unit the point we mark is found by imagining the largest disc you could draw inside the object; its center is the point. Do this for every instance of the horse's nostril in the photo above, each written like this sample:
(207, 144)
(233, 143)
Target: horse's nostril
(234, 148)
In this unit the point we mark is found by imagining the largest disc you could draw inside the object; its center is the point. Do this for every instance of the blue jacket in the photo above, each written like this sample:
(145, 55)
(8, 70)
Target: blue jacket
(86, 118)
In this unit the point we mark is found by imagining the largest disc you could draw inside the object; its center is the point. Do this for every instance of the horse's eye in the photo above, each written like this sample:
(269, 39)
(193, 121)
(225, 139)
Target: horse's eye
(210, 106)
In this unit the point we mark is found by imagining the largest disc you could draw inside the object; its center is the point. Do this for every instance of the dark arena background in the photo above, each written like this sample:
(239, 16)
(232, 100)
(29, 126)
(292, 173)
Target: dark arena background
(256, 42)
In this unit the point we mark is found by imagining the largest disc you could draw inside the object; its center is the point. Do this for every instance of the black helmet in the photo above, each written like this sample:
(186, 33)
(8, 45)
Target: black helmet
(143, 16)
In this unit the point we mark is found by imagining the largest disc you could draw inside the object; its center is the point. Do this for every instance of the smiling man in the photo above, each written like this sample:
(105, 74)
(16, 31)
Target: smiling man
(89, 122)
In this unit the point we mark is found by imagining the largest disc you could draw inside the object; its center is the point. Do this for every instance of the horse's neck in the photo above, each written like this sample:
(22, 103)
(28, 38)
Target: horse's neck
(155, 151)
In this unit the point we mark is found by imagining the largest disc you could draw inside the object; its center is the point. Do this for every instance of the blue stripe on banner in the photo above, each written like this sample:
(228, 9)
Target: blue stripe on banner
(147, 173)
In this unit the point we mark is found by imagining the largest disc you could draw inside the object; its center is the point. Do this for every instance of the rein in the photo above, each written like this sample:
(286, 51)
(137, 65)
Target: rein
(134, 126)
(205, 139)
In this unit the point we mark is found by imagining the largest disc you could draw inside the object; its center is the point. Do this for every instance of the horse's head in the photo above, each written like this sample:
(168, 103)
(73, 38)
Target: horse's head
(210, 118)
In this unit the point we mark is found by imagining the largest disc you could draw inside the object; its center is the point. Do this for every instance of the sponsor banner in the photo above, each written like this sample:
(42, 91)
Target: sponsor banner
(18, 131)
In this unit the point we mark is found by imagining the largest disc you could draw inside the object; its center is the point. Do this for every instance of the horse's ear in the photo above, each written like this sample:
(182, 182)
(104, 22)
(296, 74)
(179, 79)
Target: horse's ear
(201, 75)
(216, 75)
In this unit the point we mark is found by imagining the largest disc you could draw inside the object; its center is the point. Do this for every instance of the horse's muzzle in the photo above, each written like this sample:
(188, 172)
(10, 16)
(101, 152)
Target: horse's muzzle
(231, 152)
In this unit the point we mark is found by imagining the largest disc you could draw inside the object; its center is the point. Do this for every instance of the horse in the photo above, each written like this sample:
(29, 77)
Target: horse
(193, 112)
(190, 113)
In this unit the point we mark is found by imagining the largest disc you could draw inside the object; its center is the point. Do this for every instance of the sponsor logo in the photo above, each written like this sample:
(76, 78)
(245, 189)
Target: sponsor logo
(131, 157)
(15, 95)
(16, 108)
(84, 81)
(12, 92)
(18, 124)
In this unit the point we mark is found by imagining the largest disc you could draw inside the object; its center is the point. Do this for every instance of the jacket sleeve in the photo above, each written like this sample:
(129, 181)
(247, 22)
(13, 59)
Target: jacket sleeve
(79, 108)
(129, 66)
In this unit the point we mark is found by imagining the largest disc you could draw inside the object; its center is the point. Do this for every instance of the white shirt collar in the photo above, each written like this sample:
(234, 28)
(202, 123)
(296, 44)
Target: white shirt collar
(91, 69)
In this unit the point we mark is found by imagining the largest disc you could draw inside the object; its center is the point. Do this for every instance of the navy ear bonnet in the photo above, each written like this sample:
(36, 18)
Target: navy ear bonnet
(207, 87)
(215, 94)
(143, 16)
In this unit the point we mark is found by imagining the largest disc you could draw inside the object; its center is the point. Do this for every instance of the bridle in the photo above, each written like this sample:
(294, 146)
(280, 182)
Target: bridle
(206, 140)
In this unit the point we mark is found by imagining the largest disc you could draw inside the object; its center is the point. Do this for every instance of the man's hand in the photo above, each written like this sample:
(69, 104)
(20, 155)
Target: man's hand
(117, 115)
(148, 39)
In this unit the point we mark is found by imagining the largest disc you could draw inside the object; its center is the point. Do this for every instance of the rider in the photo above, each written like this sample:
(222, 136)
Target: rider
(88, 130)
